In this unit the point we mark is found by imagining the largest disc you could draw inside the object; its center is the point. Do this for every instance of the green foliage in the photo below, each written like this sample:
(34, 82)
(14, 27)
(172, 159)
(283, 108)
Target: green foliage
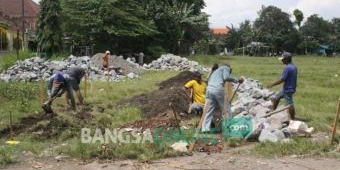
(317, 28)
(298, 17)
(3, 38)
(6, 155)
(275, 27)
(49, 33)
(178, 23)
(155, 51)
(106, 22)
(17, 94)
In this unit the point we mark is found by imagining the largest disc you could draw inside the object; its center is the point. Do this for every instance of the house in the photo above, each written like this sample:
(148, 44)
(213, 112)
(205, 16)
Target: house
(219, 33)
(12, 13)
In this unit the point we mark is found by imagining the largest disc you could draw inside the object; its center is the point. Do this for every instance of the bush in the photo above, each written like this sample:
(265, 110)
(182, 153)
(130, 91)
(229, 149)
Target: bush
(4, 40)
(156, 51)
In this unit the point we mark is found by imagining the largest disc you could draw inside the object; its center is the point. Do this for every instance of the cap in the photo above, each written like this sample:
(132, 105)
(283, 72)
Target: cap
(58, 78)
(107, 52)
(196, 74)
(285, 55)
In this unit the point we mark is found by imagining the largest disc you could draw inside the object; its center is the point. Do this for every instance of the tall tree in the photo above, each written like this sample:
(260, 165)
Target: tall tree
(49, 34)
(178, 22)
(298, 17)
(317, 28)
(276, 29)
(115, 24)
(335, 37)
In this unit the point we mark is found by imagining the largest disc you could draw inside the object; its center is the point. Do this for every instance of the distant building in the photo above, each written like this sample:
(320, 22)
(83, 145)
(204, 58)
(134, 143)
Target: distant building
(219, 33)
(11, 15)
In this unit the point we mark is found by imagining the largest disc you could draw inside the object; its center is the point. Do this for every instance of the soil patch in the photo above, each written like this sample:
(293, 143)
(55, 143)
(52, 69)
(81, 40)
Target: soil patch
(156, 103)
(42, 126)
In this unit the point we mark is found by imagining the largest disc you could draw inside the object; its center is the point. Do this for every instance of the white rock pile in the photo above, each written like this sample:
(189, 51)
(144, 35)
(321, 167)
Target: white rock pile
(36, 68)
(254, 103)
(173, 62)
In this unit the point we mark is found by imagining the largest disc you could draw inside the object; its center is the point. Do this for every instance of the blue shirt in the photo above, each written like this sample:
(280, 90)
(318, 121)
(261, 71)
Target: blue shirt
(219, 77)
(289, 76)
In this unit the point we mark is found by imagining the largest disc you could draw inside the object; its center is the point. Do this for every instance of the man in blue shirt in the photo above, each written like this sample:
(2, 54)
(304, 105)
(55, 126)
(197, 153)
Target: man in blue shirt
(289, 78)
(215, 95)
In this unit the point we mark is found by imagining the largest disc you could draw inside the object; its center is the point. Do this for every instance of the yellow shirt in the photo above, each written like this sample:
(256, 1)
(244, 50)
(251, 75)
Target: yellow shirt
(198, 91)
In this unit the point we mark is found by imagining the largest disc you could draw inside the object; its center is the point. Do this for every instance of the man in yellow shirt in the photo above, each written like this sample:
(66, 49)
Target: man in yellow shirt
(198, 87)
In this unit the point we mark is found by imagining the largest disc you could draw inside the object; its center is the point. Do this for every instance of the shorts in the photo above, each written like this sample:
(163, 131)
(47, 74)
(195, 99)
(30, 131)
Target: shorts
(287, 96)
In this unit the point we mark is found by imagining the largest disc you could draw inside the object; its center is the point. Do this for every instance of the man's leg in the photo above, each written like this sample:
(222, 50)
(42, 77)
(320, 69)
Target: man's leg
(275, 101)
(289, 100)
(211, 103)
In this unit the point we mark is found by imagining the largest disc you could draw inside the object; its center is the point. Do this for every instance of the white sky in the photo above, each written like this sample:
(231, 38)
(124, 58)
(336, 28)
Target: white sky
(226, 12)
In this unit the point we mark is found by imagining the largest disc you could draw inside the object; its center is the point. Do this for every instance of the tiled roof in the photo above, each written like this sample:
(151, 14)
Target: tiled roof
(11, 13)
(14, 8)
(219, 31)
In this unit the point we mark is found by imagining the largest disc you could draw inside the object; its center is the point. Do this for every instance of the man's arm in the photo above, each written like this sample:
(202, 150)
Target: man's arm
(277, 82)
(186, 92)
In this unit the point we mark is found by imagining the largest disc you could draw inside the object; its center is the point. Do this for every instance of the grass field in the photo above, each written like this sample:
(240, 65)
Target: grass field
(316, 100)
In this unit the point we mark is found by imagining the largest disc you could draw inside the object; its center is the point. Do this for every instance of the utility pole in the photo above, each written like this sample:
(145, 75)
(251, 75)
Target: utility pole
(23, 23)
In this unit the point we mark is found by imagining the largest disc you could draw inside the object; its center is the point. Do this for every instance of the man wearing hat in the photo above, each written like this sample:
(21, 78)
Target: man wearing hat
(106, 60)
(289, 80)
(215, 94)
(56, 87)
(197, 97)
(60, 82)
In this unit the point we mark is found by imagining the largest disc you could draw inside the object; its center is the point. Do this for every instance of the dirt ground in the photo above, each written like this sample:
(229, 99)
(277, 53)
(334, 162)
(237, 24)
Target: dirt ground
(230, 159)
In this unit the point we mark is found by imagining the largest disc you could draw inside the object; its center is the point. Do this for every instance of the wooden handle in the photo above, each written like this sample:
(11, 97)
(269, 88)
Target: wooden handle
(335, 122)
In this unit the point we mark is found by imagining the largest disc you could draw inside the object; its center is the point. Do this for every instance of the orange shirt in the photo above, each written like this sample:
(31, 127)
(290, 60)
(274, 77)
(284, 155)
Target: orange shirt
(106, 60)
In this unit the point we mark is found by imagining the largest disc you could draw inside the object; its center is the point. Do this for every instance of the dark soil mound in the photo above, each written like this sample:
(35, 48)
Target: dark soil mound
(156, 103)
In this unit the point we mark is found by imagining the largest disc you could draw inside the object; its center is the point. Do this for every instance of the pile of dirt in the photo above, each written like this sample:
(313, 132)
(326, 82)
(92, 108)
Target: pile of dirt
(156, 103)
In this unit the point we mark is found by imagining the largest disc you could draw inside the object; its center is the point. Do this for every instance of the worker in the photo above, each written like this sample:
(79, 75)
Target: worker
(198, 88)
(215, 94)
(289, 78)
(106, 59)
(56, 87)
(73, 78)
(213, 68)
(68, 81)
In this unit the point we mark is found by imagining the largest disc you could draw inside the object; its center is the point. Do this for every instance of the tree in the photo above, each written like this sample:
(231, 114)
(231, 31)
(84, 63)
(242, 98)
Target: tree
(298, 17)
(180, 23)
(335, 35)
(117, 24)
(49, 34)
(316, 31)
(276, 29)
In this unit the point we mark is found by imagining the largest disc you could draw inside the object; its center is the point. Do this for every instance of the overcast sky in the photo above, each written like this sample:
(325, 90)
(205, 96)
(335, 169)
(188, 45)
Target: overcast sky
(226, 12)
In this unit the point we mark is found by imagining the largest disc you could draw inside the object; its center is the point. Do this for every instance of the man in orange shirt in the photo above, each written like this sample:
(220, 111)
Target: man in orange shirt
(106, 60)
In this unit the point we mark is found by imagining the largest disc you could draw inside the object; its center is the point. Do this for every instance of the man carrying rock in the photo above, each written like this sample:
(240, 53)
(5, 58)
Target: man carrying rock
(197, 98)
(289, 78)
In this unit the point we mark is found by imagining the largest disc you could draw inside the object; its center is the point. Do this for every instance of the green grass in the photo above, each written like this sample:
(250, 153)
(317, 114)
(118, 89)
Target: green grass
(316, 99)
(299, 146)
